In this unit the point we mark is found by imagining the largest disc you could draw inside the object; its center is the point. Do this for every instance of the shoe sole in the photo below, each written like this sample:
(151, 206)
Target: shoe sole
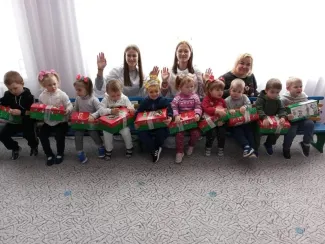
(85, 161)
(158, 155)
(249, 154)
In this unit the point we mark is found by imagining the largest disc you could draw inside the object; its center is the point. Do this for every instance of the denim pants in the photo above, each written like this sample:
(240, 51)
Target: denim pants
(307, 126)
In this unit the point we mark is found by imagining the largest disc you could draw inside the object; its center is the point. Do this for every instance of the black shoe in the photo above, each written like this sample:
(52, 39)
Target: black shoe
(129, 152)
(33, 151)
(305, 149)
(286, 153)
(156, 154)
(269, 149)
(50, 160)
(59, 159)
(108, 155)
(15, 153)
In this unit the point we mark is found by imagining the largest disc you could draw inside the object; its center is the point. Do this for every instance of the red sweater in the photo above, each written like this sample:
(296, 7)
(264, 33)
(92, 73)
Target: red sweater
(210, 104)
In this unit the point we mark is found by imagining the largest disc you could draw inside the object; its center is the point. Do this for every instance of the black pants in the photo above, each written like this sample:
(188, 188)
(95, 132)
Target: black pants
(220, 133)
(28, 127)
(271, 140)
(59, 130)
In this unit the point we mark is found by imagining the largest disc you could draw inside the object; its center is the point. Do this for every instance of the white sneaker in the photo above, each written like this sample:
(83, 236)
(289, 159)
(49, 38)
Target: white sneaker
(189, 151)
(179, 158)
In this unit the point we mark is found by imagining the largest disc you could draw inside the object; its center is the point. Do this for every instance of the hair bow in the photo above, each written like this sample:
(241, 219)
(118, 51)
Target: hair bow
(79, 77)
(42, 73)
(211, 79)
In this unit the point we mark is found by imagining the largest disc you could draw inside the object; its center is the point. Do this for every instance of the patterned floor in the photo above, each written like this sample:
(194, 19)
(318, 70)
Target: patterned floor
(204, 200)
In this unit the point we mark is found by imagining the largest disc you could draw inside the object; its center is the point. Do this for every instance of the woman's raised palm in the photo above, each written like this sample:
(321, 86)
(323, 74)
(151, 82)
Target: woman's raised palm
(101, 61)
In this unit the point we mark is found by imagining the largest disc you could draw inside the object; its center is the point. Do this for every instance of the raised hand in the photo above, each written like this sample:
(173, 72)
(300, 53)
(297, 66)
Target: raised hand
(165, 74)
(101, 61)
(155, 71)
(207, 74)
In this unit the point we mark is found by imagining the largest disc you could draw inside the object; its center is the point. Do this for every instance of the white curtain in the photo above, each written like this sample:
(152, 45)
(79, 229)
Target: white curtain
(49, 39)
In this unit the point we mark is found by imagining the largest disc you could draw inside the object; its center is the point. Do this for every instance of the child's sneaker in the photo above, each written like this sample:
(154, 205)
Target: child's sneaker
(15, 153)
(129, 152)
(247, 151)
(156, 155)
(50, 160)
(269, 149)
(108, 155)
(253, 155)
(220, 152)
(179, 158)
(189, 151)
(33, 151)
(286, 153)
(305, 149)
(101, 152)
(59, 159)
(208, 151)
(82, 157)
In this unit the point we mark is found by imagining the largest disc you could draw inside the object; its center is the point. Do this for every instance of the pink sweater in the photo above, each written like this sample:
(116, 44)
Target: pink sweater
(182, 103)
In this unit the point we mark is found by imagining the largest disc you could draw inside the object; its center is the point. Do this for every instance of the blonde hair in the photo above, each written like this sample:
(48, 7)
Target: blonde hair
(44, 76)
(241, 57)
(12, 77)
(237, 83)
(291, 80)
(273, 83)
(182, 79)
(114, 86)
(153, 81)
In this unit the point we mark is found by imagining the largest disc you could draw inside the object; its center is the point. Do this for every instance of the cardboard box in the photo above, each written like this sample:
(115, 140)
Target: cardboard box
(150, 120)
(42, 111)
(79, 121)
(187, 122)
(238, 118)
(275, 127)
(209, 122)
(4, 114)
(114, 123)
(303, 110)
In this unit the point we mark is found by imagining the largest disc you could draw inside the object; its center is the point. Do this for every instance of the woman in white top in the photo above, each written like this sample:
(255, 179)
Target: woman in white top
(183, 64)
(130, 74)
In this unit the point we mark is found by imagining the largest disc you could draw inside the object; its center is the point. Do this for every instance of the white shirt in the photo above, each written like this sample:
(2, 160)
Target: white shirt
(107, 104)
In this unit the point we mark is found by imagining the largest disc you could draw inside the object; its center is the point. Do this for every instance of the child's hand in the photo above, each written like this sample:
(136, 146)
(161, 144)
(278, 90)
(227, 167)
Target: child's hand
(220, 123)
(197, 117)
(115, 111)
(91, 118)
(177, 119)
(155, 71)
(101, 61)
(168, 120)
(165, 74)
(290, 117)
(282, 121)
(131, 110)
(220, 112)
(232, 111)
(66, 112)
(266, 122)
(15, 111)
(242, 109)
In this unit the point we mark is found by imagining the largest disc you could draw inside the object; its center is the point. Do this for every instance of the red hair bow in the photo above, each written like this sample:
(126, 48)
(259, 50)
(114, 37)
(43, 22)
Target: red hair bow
(79, 77)
(211, 78)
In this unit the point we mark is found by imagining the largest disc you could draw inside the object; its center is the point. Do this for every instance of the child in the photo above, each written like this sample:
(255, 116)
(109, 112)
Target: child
(87, 102)
(268, 103)
(186, 100)
(154, 101)
(19, 99)
(113, 99)
(213, 104)
(293, 95)
(242, 133)
(52, 95)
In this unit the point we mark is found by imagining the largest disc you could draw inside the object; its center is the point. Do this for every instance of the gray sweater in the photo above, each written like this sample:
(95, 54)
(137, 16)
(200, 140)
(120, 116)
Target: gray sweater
(89, 104)
(287, 99)
(235, 104)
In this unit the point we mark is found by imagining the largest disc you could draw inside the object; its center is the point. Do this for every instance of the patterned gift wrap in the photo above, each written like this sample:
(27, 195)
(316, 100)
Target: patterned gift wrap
(4, 114)
(238, 118)
(210, 122)
(49, 112)
(114, 123)
(150, 120)
(79, 121)
(274, 127)
(187, 122)
(303, 110)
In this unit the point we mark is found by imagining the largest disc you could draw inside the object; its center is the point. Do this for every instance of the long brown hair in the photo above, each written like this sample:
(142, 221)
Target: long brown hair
(189, 62)
(127, 80)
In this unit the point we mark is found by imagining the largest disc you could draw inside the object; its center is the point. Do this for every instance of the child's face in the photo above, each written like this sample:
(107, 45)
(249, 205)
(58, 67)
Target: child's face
(295, 88)
(16, 88)
(153, 92)
(272, 93)
(81, 91)
(51, 84)
(187, 88)
(183, 53)
(244, 66)
(114, 96)
(236, 92)
(216, 93)
(131, 57)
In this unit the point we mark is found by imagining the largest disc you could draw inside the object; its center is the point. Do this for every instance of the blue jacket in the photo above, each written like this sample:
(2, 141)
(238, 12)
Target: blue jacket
(152, 105)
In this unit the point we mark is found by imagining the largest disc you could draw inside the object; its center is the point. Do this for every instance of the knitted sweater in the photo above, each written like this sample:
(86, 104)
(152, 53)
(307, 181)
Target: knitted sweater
(182, 103)
(237, 103)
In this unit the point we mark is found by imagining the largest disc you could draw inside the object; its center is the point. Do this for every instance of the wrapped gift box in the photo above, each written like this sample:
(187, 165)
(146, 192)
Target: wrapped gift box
(238, 118)
(187, 122)
(42, 111)
(79, 121)
(209, 122)
(114, 123)
(4, 114)
(150, 120)
(303, 110)
(274, 127)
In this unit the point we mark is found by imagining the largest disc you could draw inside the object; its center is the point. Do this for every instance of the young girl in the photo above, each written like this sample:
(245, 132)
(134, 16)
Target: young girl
(242, 133)
(87, 102)
(154, 101)
(114, 98)
(52, 95)
(186, 100)
(213, 104)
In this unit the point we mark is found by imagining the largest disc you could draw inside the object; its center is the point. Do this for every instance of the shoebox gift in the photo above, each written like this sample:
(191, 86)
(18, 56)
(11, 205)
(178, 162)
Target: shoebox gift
(7, 116)
(274, 127)
(79, 121)
(238, 118)
(303, 110)
(210, 122)
(114, 123)
(49, 112)
(149, 120)
(187, 122)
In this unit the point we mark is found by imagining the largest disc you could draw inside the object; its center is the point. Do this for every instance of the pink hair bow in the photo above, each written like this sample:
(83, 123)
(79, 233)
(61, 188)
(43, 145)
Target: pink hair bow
(82, 78)
(45, 72)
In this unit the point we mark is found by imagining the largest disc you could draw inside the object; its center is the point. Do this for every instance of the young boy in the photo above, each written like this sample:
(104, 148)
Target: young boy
(294, 95)
(19, 99)
(268, 103)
